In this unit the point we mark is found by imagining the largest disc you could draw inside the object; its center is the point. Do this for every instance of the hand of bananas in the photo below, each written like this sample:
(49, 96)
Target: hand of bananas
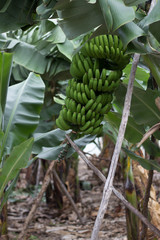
(96, 72)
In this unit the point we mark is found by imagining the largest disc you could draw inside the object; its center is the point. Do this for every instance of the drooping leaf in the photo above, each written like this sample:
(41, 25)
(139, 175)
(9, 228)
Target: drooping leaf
(121, 14)
(133, 2)
(143, 106)
(133, 134)
(22, 113)
(141, 77)
(153, 21)
(4, 4)
(45, 10)
(145, 163)
(5, 71)
(78, 17)
(51, 152)
(18, 159)
(153, 63)
(49, 139)
(129, 32)
(106, 11)
(16, 14)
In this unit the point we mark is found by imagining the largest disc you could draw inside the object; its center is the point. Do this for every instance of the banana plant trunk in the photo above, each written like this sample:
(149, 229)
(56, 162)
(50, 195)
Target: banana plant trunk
(3, 223)
(131, 220)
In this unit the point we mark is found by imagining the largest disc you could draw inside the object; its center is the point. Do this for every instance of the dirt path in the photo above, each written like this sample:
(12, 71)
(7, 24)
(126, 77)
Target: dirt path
(50, 223)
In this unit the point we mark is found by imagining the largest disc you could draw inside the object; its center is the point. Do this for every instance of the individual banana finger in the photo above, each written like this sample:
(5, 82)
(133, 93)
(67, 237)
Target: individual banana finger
(100, 85)
(69, 115)
(89, 104)
(106, 109)
(79, 118)
(63, 123)
(95, 83)
(98, 130)
(83, 120)
(85, 126)
(87, 91)
(88, 131)
(74, 118)
(79, 106)
(84, 97)
(85, 78)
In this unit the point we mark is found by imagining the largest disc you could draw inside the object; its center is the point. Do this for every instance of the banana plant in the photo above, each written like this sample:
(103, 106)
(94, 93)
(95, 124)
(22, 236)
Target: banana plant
(20, 107)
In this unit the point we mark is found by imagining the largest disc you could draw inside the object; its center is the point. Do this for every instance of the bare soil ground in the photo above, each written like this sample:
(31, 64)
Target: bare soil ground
(52, 224)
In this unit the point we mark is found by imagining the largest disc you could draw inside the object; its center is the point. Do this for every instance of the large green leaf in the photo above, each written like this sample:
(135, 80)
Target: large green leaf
(133, 2)
(5, 71)
(15, 14)
(24, 102)
(143, 106)
(153, 63)
(129, 32)
(141, 77)
(133, 134)
(145, 163)
(121, 14)
(50, 151)
(36, 48)
(152, 20)
(49, 139)
(18, 159)
(78, 17)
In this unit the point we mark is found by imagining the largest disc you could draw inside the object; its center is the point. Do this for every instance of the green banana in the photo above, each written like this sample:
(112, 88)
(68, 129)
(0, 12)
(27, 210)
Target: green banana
(85, 78)
(106, 108)
(97, 74)
(96, 65)
(63, 123)
(93, 95)
(91, 83)
(78, 108)
(110, 40)
(87, 91)
(88, 115)
(88, 131)
(83, 111)
(90, 74)
(89, 104)
(84, 97)
(100, 85)
(85, 126)
(69, 115)
(98, 108)
(98, 122)
(81, 68)
(80, 99)
(74, 118)
(95, 83)
(97, 130)
(79, 118)
(83, 120)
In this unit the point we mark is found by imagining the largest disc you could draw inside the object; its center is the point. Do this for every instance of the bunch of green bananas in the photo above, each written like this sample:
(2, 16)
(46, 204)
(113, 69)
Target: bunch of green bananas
(89, 94)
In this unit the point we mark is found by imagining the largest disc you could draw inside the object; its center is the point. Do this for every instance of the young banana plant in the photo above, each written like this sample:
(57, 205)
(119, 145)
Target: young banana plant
(20, 106)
